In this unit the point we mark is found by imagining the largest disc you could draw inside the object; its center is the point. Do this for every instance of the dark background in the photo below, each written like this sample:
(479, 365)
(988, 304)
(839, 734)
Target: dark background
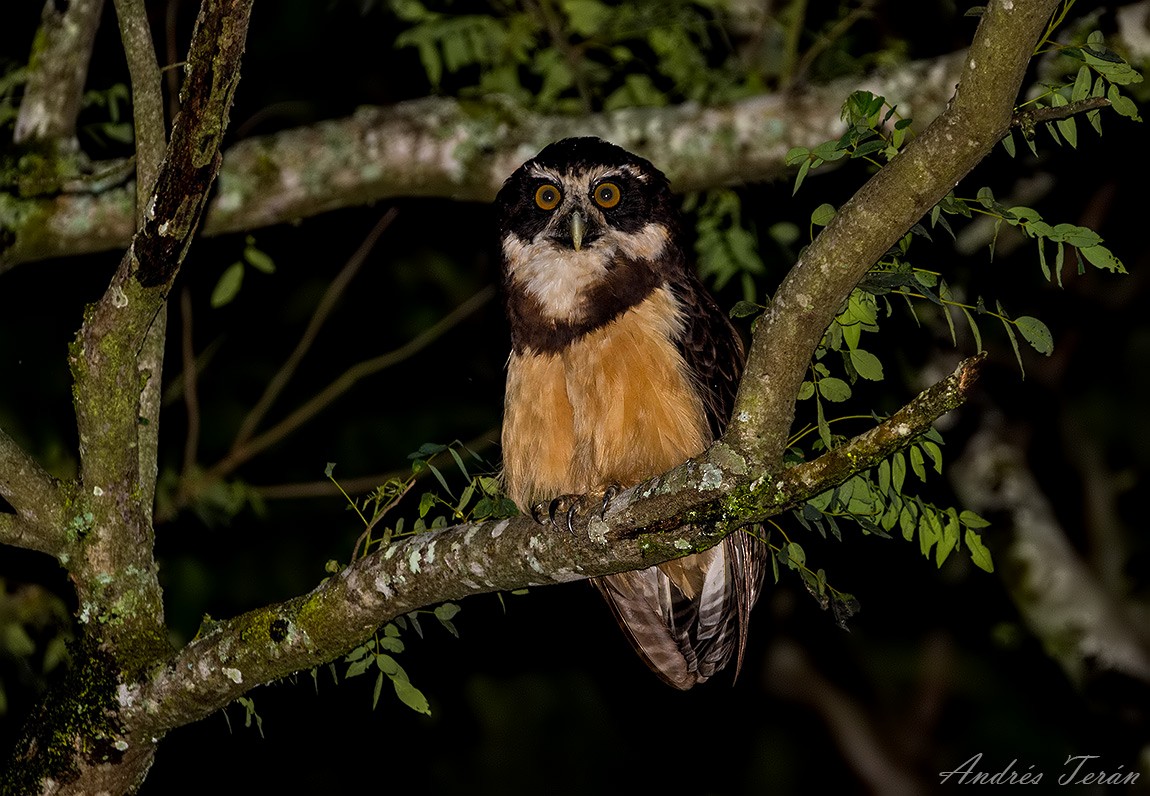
(540, 692)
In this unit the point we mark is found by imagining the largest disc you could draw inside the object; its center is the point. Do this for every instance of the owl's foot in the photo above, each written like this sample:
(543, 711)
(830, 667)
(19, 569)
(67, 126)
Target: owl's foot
(572, 505)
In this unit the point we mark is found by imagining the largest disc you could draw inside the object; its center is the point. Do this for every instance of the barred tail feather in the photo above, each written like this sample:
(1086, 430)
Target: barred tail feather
(687, 618)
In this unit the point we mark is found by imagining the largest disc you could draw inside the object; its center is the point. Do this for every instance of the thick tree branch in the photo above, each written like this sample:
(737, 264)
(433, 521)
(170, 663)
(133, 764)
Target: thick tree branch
(688, 509)
(38, 498)
(1079, 622)
(873, 220)
(111, 558)
(441, 147)
(57, 71)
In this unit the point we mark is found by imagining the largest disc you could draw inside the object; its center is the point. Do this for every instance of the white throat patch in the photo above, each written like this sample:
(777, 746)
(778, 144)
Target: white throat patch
(559, 277)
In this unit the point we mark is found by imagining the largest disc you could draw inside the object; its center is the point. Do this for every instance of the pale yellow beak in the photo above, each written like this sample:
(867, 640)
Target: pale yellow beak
(578, 227)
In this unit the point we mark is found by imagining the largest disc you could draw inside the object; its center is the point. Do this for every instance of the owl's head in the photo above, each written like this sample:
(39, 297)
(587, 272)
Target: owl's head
(586, 222)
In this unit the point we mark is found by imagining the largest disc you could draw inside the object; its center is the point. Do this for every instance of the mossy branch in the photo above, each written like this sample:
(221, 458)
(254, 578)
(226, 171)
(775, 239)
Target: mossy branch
(57, 71)
(40, 502)
(438, 146)
(645, 525)
(875, 218)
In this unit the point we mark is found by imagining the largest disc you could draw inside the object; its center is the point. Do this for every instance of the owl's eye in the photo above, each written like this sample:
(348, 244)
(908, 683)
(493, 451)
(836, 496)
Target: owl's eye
(547, 197)
(607, 194)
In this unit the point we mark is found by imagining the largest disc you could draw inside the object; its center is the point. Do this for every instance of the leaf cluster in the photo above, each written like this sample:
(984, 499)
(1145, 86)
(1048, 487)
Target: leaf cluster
(574, 55)
(378, 653)
(879, 500)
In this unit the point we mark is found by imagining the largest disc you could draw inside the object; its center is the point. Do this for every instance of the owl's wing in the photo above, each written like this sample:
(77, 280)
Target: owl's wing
(687, 618)
(711, 350)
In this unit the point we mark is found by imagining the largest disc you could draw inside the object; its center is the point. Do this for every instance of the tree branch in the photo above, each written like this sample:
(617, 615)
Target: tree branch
(40, 502)
(1060, 599)
(330, 298)
(688, 509)
(147, 97)
(345, 382)
(441, 147)
(58, 70)
(874, 219)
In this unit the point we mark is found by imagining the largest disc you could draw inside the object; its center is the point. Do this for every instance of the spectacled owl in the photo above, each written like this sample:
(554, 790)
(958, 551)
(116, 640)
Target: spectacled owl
(622, 366)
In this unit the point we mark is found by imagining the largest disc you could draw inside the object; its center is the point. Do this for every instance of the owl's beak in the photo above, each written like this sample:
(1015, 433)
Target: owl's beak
(578, 227)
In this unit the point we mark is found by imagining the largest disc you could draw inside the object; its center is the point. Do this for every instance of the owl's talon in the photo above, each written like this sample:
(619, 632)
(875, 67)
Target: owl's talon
(608, 495)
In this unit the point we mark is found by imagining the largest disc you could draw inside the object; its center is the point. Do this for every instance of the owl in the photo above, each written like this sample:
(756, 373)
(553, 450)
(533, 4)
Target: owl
(622, 366)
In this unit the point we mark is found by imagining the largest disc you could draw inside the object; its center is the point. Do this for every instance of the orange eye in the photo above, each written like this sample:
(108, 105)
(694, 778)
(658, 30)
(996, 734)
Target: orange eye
(547, 197)
(607, 194)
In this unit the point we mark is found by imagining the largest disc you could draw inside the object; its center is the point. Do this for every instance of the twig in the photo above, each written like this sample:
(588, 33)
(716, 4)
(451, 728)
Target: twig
(823, 42)
(1026, 120)
(365, 483)
(330, 298)
(345, 382)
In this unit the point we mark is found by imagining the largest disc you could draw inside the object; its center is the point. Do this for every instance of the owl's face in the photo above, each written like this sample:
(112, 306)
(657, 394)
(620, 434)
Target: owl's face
(581, 215)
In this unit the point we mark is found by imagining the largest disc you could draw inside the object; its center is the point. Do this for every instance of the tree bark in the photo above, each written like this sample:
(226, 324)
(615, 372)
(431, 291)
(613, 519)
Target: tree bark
(442, 147)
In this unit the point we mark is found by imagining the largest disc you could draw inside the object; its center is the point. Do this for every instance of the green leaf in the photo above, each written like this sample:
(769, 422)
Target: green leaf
(228, 285)
(934, 452)
(973, 329)
(391, 644)
(1122, 104)
(444, 613)
(806, 390)
(796, 155)
(1082, 84)
(949, 538)
(744, 308)
(1008, 143)
(1101, 257)
(1065, 126)
(803, 169)
(586, 17)
(908, 521)
(978, 552)
(1036, 333)
(410, 695)
(972, 520)
(898, 471)
(866, 364)
(835, 390)
(1075, 235)
(929, 531)
(377, 690)
(1006, 324)
(259, 260)
(796, 554)
(426, 501)
(439, 477)
(824, 427)
(917, 462)
(388, 665)
(822, 215)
